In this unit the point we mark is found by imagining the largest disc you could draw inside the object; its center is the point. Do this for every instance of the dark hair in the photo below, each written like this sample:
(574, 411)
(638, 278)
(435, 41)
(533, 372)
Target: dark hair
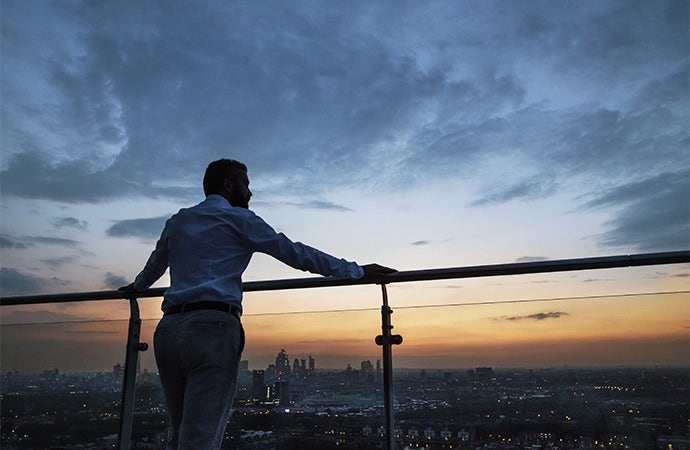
(219, 171)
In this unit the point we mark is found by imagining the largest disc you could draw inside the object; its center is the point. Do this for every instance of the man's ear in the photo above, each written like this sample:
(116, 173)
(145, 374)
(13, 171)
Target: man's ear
(227, 184)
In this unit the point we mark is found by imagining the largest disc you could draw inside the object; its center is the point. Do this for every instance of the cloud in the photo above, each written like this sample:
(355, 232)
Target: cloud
(14, 282)
(653, 213)
(114, 281)
(531, 259)
(422, 242)
(52, 241)
(314, 96)
(526, 190)
(69, 222)
(57, 262)
(318, 204)
(149, 228)
(66, 181)
(75, 181)
(7, 242)
(536, 316)
(111, 82)
(25, 242)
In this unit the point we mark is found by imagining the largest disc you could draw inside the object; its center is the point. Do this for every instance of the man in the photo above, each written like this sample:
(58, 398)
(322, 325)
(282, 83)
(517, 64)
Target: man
(199, 341)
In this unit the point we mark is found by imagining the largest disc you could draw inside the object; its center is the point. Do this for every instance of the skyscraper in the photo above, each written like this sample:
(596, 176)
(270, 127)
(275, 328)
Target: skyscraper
(258, 386)
(282, 392)
(282, 364)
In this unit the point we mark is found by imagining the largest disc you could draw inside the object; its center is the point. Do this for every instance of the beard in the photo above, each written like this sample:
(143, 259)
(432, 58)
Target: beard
(239, 201)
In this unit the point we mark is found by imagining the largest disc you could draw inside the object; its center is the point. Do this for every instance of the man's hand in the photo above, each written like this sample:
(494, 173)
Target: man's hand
(376, 271)
(129, 289)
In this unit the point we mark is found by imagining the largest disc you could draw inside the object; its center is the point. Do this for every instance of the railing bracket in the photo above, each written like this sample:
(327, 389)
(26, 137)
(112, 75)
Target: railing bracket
(386, 340)
(129, 381)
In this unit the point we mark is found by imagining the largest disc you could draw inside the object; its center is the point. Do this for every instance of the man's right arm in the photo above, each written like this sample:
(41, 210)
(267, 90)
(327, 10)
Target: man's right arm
(154, 268)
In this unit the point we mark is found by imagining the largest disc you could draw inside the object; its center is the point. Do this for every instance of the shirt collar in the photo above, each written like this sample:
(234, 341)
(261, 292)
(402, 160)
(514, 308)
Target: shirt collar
(217, 200)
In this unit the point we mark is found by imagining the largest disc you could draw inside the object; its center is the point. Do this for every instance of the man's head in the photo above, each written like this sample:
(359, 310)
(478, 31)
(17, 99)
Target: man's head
(228, 178)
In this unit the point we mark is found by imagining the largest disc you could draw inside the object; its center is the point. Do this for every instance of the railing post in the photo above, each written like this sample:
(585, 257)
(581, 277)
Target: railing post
(386, 341)
(130, 377)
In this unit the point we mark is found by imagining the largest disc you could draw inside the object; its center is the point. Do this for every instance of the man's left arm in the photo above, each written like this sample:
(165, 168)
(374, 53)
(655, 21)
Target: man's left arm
(261, 237)
(265, 239)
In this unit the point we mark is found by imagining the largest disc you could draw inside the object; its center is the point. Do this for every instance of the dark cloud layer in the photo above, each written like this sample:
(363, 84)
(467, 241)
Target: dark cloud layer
(69, 222)
(114, 281)
(537, 316)
(24, 242)
(529, 189)
(55, 263)
(8, 242)
(17, 282)
(149, 228)
(531, 259)
(654, 214)
(14, 282)
(320, 204)
(105, 102)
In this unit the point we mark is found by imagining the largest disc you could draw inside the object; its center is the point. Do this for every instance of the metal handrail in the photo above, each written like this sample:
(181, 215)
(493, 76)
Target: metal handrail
(523, 268)
(386, 340)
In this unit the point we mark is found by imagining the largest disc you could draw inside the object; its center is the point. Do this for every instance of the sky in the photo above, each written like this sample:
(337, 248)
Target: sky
(413, 134)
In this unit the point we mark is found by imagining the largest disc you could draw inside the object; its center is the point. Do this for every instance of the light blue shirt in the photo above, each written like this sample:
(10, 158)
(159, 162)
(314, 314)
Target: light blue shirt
(209, 246)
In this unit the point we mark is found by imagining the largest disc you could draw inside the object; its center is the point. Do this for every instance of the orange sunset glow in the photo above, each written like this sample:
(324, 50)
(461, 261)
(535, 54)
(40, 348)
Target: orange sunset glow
(639, 330)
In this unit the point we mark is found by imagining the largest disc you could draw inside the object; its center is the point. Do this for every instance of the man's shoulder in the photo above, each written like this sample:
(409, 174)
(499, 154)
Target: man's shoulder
(219, 206)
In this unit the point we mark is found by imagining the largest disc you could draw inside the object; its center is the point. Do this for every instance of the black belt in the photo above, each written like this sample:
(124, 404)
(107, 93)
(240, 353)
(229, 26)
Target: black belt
(196, 306)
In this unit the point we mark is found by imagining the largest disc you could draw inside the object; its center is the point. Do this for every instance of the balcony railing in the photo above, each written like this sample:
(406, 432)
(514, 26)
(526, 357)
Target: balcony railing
(386, 339)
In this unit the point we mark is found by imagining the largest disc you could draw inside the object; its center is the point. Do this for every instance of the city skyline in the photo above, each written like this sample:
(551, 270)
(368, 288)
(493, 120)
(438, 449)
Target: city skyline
(568, 408)
(417, 136)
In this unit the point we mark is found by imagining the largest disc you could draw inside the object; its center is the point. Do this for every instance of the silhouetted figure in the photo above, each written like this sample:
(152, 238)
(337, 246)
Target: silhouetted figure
(199, 341)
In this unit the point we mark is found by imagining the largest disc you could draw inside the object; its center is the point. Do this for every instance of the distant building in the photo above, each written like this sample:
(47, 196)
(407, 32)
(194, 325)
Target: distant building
(258, 386)
(271, 371)
(672, 442)
(282, 392)
(464, 436)
(367, 369)
(484, 371)
(282, 363)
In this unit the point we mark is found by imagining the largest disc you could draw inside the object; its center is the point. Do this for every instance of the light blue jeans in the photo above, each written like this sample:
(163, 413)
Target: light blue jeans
(198, 355)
